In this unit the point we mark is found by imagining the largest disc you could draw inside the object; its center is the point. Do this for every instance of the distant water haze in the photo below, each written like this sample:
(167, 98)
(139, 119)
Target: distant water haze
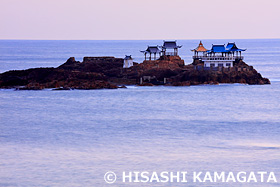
(139, 19)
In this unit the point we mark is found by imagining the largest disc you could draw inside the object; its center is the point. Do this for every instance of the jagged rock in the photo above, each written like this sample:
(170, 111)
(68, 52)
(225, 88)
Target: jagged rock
(164, 62)
(146, 84)
(122, 86)
(184, 83)
(107, 72)
(62, 88)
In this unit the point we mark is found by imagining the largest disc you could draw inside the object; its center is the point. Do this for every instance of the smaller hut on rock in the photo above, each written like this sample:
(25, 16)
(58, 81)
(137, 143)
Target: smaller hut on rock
(152, 50)
(127, 61)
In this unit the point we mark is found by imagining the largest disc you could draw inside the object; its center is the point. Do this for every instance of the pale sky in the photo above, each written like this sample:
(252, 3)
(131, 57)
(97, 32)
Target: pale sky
(139, 19)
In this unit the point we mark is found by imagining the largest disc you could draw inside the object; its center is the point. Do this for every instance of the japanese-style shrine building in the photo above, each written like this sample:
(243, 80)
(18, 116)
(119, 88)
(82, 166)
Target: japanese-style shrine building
(200, 50)
(218, 55)
(169, 48)
(152, 50)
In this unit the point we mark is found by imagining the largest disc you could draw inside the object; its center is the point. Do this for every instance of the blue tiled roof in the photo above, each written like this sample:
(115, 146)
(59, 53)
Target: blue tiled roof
(231, 47)
(218, 49)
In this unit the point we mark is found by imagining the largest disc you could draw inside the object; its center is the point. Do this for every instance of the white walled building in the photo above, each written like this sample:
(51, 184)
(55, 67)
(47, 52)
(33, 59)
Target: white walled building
(127, 61)
(219, 55)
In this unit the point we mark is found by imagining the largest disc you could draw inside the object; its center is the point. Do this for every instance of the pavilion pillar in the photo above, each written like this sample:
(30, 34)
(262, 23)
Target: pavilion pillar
(155, 56)
(150, 56)
(145, 56)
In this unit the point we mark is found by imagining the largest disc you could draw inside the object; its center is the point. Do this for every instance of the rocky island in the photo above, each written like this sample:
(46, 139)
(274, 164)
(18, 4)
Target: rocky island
(111, 73)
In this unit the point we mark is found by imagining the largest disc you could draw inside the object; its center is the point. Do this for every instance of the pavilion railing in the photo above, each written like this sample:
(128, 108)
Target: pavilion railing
(215, 58)
(170, 54)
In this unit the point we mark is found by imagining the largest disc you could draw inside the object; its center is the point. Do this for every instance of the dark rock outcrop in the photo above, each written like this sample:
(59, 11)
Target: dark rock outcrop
(214, 77)
(71, 74)
(107, 72)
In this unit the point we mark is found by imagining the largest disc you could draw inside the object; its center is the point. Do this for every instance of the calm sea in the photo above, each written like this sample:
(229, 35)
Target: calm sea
(72, 138)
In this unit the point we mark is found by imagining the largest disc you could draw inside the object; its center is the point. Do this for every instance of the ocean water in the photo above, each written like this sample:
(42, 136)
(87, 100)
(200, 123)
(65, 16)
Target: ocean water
(263, 54)
(72, 138)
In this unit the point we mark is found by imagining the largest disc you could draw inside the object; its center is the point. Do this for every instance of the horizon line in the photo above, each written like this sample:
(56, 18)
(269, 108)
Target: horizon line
(140, 39)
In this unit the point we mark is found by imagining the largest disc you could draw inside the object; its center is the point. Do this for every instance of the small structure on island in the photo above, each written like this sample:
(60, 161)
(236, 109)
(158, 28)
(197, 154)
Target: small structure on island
(218, 55)
(166, 60)
(199, 51)
(170, 48)
(127, 61)
(152, 50)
